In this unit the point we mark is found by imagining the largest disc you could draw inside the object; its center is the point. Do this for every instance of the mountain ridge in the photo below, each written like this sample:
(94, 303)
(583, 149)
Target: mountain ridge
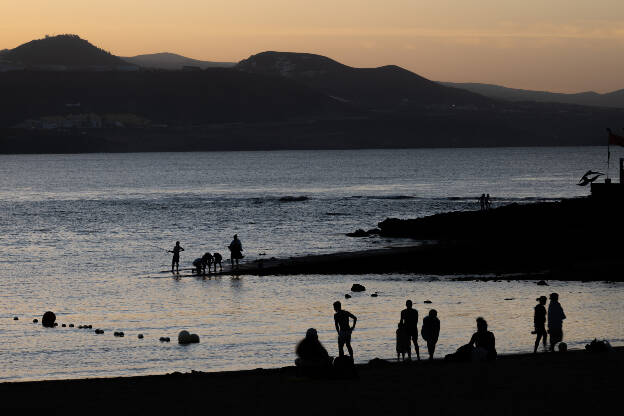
(614, 99)
(384, 87)
(172, 61)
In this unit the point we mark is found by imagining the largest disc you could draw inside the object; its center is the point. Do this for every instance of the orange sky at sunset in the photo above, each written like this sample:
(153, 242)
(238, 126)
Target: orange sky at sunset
(555, 45)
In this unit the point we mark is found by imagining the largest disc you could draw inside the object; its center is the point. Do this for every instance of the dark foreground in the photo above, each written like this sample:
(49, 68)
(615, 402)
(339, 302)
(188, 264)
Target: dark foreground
(573, 383)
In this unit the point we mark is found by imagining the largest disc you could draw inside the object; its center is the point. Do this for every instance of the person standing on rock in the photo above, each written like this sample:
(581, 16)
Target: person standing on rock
(236, 250)
(175, 261)
(539, 322)
(409, 318)
(555, 320)
(341, 320)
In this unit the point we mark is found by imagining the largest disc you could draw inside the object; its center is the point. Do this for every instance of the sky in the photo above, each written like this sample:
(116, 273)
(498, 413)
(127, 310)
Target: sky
(553, 45)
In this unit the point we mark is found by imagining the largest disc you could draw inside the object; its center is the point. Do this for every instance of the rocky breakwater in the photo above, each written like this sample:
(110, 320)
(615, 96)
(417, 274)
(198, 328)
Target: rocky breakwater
(576, 239)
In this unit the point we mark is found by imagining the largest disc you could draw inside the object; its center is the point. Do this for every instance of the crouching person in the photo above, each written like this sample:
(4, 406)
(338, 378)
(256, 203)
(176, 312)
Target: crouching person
(312, 358)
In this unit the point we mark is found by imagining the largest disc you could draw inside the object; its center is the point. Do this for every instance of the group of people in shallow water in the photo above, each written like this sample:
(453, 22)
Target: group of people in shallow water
(208, 261)
(311, 354)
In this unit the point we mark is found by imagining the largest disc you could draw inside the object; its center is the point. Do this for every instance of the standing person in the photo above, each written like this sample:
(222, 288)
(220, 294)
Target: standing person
(341, 320)
(488, 202)
(431, 331)
(403, 344)
(539, 321)
(409, 317)
(175, 261)
(236, 250)
(482, 201)
(555, 320)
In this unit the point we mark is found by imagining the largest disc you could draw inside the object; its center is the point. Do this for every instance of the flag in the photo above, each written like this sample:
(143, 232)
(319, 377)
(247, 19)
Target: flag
(615, 139)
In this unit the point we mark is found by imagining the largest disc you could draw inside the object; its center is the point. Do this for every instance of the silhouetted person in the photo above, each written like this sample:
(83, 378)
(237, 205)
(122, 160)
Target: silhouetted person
(198, 266)
(236, 250)
(482, 201)
(403, 344)
(430, 331)
(409, 317)
(483, 342)
(311, 353)
(555, 320)
(341, 320)
(175, 261)
(539, 322)
(488, 202)
(207, 260)
(217, 259)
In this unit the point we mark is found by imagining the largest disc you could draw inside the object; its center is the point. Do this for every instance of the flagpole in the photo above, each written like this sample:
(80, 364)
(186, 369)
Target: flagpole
(608, 153)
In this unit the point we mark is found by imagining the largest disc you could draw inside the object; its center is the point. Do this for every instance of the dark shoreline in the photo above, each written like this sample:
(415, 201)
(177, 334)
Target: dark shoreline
(575, 382)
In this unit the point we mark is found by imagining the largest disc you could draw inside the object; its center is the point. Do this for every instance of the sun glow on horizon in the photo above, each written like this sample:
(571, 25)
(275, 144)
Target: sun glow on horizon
(560, 45)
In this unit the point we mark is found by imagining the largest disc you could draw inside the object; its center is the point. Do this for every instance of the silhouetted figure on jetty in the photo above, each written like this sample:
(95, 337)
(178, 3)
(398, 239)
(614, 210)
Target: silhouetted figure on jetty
(539, 322)
(217, 258)
(341, 320)
(175, 261)
(482, 202)
(236, 250)
(409, 317)
(483, 342)
(430, 331)
(555, 320)
(403, 343)
(312, 357)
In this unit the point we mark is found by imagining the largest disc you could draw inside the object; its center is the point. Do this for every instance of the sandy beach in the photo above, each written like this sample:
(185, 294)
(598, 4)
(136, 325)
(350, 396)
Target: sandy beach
(576, 382)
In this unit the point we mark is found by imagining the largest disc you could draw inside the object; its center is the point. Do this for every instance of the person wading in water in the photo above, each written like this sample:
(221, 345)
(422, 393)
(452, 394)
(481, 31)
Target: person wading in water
(236, 250)
(341, 320)
(176, 257)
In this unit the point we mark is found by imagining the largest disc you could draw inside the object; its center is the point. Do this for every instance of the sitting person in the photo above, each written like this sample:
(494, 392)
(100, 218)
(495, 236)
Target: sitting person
(310, 352)
(483, 342)
(403, 344)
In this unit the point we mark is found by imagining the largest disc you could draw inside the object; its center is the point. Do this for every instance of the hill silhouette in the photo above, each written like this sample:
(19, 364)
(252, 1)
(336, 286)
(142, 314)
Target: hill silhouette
(172, 61)
(613, 99)
(62, 51)
(376, 88)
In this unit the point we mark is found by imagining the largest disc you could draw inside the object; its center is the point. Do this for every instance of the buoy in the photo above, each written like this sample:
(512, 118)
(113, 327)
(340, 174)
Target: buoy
(184, 337)
(48, 319)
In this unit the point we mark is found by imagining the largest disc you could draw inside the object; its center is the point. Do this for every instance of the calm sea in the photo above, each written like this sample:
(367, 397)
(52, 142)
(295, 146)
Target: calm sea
(84, 236)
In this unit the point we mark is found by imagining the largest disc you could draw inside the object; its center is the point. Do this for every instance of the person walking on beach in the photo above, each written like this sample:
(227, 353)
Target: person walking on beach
(175, 261)
(430, 331)
(555, 320)
(409, 317)
(539, 322)
(341, 320)
(236, 250)
(483, 342)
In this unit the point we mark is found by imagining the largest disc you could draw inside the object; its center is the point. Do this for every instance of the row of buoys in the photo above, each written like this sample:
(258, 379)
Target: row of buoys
(49, 318)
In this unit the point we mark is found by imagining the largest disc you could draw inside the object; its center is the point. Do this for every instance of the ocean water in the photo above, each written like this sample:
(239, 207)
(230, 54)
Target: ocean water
(84, 236)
